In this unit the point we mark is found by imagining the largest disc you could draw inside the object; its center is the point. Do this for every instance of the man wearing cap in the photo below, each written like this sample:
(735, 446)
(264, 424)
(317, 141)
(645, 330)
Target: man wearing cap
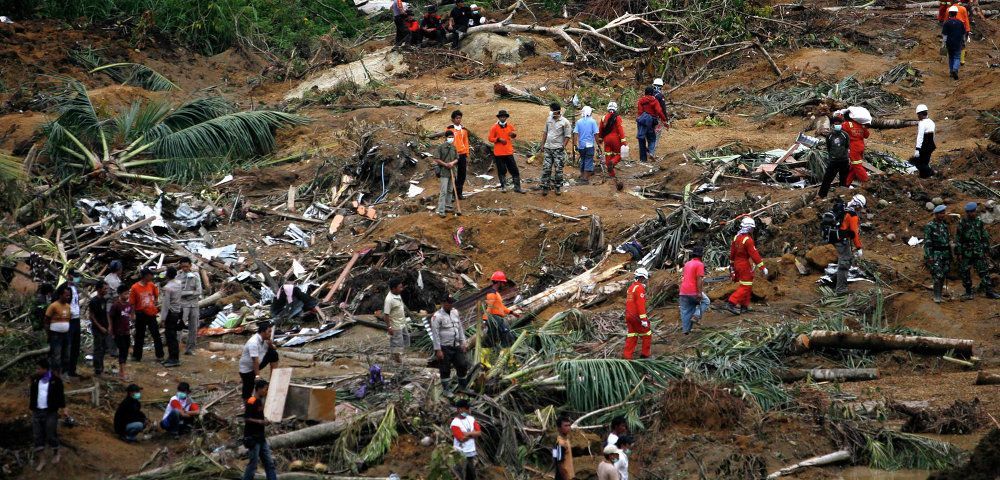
(953, 33)
(448, 337)
(636, 317)
(585, 132)
(477, 17)
(848, 243)
(925, 143)
(129, 419)
(972, 245)
(743, 259)
(555, 137)
(502, 135)
(937, 250)
(612, 136)
(465, 430)
(606, 470)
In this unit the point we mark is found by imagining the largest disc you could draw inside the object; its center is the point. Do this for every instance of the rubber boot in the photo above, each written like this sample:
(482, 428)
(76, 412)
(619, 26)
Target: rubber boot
(735, 310)
(503, 183)
(517, 185)
(969, 295)
(938, 287)
(446, 387)
(990, 293)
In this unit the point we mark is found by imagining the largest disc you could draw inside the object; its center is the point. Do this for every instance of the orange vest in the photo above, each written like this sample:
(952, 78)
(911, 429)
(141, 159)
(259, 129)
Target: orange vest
(461, 140)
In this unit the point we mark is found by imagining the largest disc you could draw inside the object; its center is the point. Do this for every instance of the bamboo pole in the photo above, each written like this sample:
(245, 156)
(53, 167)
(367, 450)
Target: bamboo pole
(317, 433)
(835, 457)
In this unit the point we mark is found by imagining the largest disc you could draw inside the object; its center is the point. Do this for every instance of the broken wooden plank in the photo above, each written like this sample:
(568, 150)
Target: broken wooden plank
(111, 236)
(264, 211)
(291, 198)
(277, 392)
(34, 225)
(335, 224)
(554, 214)
(343, 275)
(232, 347)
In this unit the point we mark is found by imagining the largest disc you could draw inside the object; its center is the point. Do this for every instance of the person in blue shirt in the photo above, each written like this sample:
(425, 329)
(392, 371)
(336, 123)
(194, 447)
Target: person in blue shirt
(585, 132)
(953, 39)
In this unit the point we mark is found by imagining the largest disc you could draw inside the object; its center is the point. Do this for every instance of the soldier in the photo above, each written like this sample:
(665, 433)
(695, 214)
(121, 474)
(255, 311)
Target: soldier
(937, 250)
(973, 250)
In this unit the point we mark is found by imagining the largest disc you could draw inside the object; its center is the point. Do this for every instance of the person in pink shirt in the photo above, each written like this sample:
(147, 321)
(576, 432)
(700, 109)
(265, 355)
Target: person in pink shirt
(692, 299)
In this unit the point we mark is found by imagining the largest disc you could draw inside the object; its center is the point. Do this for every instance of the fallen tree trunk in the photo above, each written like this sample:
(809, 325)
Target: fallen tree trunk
(835, 457)
(556, 32)
(830, 374)
(229, 347)
(564, 290)
(889, 123)
(24, 355)
(316, 433)
(986, 378)
(314, 476)
(880, 342)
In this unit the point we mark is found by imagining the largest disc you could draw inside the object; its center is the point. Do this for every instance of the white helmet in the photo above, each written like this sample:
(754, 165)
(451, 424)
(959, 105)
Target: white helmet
(642, 272)
(921, 108)
(748, 222)
(658, 82)
(586, 111)
(860, 200)
(612, 106)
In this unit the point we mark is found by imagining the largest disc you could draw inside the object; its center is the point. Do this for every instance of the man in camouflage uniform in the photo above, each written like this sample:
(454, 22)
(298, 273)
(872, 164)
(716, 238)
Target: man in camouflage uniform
(558, 132)
(937, 250)
(972, 245)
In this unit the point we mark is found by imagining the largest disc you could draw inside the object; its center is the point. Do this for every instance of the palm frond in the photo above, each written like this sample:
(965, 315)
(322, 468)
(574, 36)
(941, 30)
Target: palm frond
(242, 134)
(197, 111)
(77, 114)
(11, 168)
(137, 75)
(385, 434)
(592, 383)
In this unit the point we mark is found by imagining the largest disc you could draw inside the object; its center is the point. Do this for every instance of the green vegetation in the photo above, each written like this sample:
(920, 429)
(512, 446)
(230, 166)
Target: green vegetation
(212, 26)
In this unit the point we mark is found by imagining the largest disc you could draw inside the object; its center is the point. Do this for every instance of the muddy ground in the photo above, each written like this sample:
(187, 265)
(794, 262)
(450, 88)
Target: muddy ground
(523, 240)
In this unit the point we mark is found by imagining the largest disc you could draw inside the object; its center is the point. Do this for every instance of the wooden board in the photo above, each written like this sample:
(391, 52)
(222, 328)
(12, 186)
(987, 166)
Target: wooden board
(277, 391)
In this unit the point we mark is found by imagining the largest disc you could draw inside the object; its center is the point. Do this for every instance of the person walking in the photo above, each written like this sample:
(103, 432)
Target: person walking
(619, 427)
(972, 245)
(612, 138)
(848, 243)
(254, 437)
(45, 401)
(649, 115)
(953, 36)
(191, 290)
(100, 328)
(498, 333)
(445, 162)
(636, 318)
(120, 317)
(448, 337)
(743, 260)
(937, 250)
(857, 133)
(925, 143)
(585, 134)
(69, 369)
(562, 454)
(57, 321)
(692, 299)
(181, 411)
(502, 136)
(144, 297)
(606, 470)
(624, 445)
(394, 314)
(555, 137)
(662, 100)
(462, 149)
(258, 353)
(838, 159)
(465, 430)
(129, 420)
(170, 315)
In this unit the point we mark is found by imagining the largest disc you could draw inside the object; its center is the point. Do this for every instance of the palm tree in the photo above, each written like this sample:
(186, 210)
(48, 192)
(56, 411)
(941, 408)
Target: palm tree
(181, 141)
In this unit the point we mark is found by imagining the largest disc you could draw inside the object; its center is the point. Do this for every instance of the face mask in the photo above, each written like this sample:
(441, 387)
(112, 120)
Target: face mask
(451, 139)
(182, 395)
(137, 395)
(76, 279)
(463, 414)
(628, 451)
(837, 127)
(502, 122)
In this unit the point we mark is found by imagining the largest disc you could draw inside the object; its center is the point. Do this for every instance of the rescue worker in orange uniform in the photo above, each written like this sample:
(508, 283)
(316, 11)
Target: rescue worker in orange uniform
(856, 150)
(849, 246)
(743, 259)
(498, 333)
(636, 318)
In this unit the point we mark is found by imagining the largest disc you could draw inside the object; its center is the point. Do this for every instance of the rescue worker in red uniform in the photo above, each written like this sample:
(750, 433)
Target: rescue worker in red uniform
(636, 318)
(612, 135)
(856, 150)
(743, 259)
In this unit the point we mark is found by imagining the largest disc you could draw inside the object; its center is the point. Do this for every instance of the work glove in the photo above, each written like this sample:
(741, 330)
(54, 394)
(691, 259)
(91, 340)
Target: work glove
(858, 253)
(765, 271)
(916, 153)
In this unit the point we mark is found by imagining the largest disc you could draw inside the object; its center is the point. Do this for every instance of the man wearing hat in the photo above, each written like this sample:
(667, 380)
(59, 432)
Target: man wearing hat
(555, 137)
(606, 470)
(465, 430)
(502, 136)
(972, 245)
(937, 249)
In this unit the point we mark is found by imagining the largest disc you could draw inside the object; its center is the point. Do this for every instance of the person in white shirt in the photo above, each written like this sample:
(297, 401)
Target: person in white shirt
(619, 427)
(258, 352)
(465, 430)
(624, 450)
(45, 400)
(925, 143)
(74, 324)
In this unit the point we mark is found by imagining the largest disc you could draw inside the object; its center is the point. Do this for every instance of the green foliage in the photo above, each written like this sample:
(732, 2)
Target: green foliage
(554, 6)
(592, 383)
(137, 75)
(383, 438)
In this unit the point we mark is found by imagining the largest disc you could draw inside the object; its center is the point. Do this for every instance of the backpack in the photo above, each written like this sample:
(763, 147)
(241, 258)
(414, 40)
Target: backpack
(838, 145)
(831, 222)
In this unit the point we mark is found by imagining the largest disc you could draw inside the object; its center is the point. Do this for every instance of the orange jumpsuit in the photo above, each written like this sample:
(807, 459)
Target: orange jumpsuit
(495, 306)
(637, 321)
(613, 142)
(856, 151)
(741, 253)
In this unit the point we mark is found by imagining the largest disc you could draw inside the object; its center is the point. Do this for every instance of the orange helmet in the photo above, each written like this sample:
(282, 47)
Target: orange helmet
(498, 276)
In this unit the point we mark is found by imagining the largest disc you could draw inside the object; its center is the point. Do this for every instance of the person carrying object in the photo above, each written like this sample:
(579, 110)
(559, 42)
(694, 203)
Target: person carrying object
(585, 132)
(838, 161)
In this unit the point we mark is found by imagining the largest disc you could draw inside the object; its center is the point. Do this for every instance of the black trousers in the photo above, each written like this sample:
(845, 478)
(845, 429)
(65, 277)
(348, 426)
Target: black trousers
(438, 36)
(74, 345)
(248, 378)
(453, 357)
(122, 341)
(460, 173)
(456, 35)
(170, 329)
(832, 170)
(143, 322)
(923, 163)
(100, 346)
(401, 30)
(505, 163)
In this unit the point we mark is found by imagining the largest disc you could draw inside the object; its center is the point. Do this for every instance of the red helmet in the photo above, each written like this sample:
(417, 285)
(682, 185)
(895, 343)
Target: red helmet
(498, 276)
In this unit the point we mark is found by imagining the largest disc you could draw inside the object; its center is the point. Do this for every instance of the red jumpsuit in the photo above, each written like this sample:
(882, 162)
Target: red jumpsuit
(856, 151)
(613, 142)
(637, 321)
(741, 253)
